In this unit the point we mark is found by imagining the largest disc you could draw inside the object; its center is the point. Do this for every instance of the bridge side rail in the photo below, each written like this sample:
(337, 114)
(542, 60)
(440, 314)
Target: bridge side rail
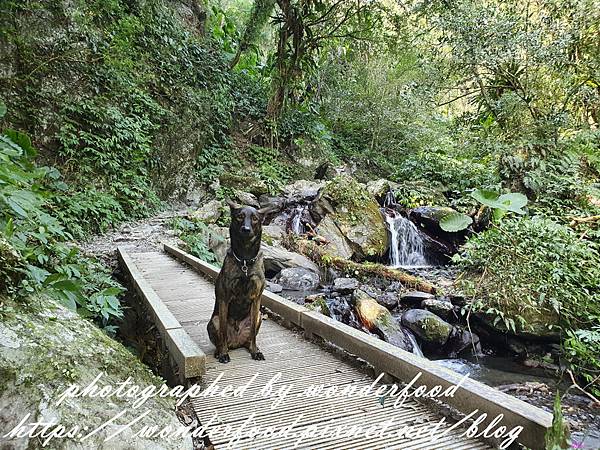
(189, 359)
(471, 395)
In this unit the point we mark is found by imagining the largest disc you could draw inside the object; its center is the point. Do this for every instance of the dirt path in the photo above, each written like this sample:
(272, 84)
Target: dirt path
(142, 235)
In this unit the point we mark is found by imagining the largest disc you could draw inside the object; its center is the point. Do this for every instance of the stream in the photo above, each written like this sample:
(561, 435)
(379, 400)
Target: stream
(492, 366)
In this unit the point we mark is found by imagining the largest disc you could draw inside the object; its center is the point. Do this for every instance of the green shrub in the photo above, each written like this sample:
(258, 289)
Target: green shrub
(535, 272)
(34, 252)
(195, 234)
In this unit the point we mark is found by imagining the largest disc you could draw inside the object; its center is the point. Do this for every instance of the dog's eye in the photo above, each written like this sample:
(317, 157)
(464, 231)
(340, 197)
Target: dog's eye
(254, 219)
(240, 217)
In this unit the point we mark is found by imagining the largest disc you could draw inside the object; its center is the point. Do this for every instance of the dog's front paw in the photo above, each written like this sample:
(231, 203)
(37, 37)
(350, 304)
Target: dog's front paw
(258, 356)
(224, 358)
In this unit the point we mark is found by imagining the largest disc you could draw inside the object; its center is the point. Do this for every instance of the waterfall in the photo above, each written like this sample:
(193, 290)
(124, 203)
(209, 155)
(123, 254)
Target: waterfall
(415, 345)
(297, 225)
(406, 243)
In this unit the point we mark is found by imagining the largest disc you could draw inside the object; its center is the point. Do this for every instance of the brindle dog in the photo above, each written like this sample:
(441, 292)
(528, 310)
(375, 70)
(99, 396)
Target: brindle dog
(239, 286)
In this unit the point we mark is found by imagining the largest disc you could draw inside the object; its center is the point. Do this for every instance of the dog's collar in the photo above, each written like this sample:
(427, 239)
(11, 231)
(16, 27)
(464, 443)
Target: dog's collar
(244, 262)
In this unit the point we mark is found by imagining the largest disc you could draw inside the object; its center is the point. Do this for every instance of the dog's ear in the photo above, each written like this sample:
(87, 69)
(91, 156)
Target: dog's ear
(233, 205)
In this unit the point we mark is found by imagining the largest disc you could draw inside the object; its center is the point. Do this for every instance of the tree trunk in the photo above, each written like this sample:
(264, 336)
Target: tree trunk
(320, 256)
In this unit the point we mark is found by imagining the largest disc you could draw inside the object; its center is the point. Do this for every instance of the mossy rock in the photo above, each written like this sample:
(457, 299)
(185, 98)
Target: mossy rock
(357, 215)
(253, 185)
(44, 349)
(430, 328)
(537, 324)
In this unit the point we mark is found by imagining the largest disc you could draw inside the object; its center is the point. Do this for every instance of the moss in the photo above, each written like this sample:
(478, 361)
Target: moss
(412, 194)
(55, 348)
(358, 216)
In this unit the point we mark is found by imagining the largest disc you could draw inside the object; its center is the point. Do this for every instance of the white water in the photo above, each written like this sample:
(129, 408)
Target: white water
(297, 225)
(415, 345)
(406, 243)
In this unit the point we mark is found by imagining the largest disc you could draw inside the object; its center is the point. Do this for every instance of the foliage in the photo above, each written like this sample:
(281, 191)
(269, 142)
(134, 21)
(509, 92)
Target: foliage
(582, 350)
(195, 234)
(455, 221)
(269, 167)
(535, 272)
(557, 436)
(123, 101)
(34, 251)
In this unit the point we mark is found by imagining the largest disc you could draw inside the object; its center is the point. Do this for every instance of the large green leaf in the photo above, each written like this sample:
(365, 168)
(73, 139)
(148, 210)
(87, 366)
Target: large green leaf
(514, 201)
(455, 221)
(488, 198)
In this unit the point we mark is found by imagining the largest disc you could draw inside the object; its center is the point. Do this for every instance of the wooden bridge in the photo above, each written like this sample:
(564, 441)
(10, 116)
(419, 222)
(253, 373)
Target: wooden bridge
(177, 291)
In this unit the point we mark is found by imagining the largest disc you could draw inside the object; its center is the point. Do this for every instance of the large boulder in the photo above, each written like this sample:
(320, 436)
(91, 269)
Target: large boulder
(377, 319)
(277, 258)
(379, 188)
(302, 190)
(337, 243)
(247, 183)
(355, 219)
(536, 322)
(439, 241)
(439, 307)
(297, 279)
(218, 242)
(428, 327)
(209, 212)
(246, 198)
(46, 348)
(345, 285)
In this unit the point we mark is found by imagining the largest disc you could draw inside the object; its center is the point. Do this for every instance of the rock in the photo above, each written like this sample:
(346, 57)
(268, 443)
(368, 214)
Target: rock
(51, 349)
(379, 188)
(314, 297)
(389, 300)
(251, 184)
(297, 279)
(274, 287)
(275, 204)
(372, 315)
(277, 258)
(272, 233)
(218, 242)
(337, 243)
(535, 328)
(302, 190)
(345, 285)
(441, 308)
(246, 198)
(209, 212)
(356, 218)
(428, 219)
(461, 340)
(427, 326)
(195, 196)
(416, 297)
(377, 319)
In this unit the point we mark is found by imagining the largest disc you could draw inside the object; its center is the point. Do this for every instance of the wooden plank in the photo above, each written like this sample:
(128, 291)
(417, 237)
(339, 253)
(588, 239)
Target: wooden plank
(401, 364)
(190, 359)
(188, 356)
(405, 366)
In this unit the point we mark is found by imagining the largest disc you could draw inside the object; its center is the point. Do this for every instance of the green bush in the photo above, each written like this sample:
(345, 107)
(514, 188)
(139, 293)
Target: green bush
(535, 272)
(195, 234)
(34, 252)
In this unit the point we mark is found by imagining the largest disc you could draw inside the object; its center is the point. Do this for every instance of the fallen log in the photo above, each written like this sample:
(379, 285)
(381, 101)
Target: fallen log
(320, 256)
